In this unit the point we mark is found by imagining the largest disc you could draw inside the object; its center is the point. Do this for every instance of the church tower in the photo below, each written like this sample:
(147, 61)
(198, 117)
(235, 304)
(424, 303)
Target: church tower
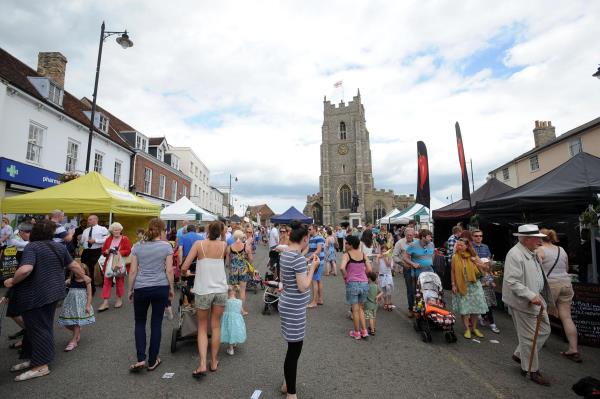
(345, 159)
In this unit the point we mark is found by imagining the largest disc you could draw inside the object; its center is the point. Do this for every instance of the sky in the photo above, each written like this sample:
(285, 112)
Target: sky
(242, 82)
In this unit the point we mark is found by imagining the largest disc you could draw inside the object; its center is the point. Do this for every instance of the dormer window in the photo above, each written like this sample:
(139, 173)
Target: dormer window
(141, 143)
(100, 120)
(48, 89)
(160, 154)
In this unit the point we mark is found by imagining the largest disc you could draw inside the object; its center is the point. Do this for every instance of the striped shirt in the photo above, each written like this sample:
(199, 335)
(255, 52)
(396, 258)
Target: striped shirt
(313, 243)
(292, 303)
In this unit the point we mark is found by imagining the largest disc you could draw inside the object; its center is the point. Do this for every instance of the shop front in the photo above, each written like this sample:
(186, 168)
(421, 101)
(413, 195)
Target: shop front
(18, 178)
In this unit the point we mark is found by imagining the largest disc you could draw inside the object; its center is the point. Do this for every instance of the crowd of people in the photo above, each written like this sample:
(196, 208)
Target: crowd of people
(216, 263)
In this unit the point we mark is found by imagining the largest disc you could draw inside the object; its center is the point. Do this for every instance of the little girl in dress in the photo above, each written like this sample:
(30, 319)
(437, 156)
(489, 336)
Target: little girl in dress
(77, 308)
(233, 327)
(386, 282)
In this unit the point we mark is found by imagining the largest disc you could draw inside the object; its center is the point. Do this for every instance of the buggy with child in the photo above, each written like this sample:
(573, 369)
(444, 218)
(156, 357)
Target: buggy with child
(430, 308)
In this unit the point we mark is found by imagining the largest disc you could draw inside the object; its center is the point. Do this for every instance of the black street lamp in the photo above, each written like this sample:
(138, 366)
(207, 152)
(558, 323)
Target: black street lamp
(229, 196)
(124, 42)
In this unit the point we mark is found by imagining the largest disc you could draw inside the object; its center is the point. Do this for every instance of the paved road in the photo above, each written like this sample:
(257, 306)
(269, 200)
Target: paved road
(393, 364)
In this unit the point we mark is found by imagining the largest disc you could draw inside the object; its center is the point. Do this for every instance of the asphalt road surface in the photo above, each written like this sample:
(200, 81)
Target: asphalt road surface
(393, 364)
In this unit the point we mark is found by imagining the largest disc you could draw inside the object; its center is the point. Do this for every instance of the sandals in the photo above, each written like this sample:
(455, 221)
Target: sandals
(575, 356)
(156, 364)
(215, 369)
(134, 368)
(72, 345)
(28, 375)
(198, 374)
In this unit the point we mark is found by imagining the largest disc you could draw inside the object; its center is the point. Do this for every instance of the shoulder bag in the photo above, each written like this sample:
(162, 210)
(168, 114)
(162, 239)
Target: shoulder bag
(555, 262)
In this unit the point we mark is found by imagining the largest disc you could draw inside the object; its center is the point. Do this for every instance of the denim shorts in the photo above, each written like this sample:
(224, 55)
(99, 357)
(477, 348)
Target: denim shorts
(356, 292)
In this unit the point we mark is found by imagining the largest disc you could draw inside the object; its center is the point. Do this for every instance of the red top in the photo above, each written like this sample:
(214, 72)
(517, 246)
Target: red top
(124, 246)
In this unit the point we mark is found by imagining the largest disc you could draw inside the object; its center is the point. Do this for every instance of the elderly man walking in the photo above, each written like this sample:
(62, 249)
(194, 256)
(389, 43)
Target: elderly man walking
(398, 256)
(525, 290)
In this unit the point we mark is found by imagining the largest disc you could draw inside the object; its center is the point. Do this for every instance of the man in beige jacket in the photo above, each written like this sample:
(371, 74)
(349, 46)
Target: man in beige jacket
(524, 291)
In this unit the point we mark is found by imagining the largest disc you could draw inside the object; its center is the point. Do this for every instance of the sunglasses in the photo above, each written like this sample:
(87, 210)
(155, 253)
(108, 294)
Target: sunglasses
(283, 231)
(477, 235)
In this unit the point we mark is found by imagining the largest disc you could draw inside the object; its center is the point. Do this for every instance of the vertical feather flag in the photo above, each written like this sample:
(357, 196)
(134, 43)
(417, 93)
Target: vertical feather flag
(423, 195)
(466, 193)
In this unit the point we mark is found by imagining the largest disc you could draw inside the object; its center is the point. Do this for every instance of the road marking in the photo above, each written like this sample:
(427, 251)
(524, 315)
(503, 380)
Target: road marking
(459, 362)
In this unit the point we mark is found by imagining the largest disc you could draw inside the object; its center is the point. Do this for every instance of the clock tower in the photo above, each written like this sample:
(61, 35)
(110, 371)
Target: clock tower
(345, 159)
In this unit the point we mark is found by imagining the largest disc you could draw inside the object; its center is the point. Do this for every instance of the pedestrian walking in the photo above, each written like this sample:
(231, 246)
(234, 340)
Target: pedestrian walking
(340, 234)
(210, 289)
(316, 245)
(233, 326)
(468, 299)
(296, 279)
(77, 308)
(150, 284)
(116, 249)
(374, 296)
(330, 253)
(555, 263)
(39, 283)
(92, 240)
(405, 267)
(525, 291)
(354, 268)
(6, 231)
(386, 280)
(487, 279)
(239, 261)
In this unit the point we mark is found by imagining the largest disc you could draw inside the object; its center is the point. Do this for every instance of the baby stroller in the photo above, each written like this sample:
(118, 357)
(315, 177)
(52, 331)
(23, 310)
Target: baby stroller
(430, 308)
(186, 327)
(272, 289)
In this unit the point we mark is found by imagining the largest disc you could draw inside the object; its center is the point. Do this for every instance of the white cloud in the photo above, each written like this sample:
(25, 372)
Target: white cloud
(259, 70)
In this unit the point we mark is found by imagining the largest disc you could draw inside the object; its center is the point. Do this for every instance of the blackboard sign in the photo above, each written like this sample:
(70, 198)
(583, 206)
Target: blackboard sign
(586, 313)
(8, 262)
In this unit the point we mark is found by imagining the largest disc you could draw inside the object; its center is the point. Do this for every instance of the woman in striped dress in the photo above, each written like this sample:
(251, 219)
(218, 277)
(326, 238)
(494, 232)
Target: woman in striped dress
(296, 281)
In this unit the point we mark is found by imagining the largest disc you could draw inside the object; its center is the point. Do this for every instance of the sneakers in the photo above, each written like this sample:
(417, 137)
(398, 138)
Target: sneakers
(355, 334)
(230, 351)
(467, 334)
(494, 329)
(364, 334)
(478, 333)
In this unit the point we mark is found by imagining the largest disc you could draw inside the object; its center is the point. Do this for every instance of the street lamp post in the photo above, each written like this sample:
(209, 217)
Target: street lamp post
(229, 196)
(124, 42)
(597, 73)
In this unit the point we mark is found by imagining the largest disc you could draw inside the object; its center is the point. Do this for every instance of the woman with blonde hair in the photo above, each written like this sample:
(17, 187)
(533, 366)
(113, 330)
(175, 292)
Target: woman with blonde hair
(555, 263)
(150, 283)
(468, 299)
(119, 246)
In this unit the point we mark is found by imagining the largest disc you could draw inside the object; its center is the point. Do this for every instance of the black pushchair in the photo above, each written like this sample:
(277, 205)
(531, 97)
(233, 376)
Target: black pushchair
(430, 308)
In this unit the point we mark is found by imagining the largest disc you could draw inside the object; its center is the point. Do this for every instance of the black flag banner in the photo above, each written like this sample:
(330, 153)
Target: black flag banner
(423, 195)
(466, 193)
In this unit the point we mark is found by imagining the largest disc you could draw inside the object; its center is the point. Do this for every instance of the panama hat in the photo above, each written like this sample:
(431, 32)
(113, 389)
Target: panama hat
(529, 230)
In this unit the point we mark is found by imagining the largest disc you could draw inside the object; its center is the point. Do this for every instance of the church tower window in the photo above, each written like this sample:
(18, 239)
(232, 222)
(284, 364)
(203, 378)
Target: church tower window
(342, 131)
(345, 197)
(343, 168)
(378, 210)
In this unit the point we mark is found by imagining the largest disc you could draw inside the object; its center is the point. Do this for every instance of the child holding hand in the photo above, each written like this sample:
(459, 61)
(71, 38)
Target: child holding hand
(77, 308)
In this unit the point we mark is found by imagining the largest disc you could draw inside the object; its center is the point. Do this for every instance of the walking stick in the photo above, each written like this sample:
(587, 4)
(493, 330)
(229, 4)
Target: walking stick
(535, 336)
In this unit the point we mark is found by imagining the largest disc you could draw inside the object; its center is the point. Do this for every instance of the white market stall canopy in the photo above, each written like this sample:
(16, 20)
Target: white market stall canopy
(410, 213)
(184, 209)
(386, 218)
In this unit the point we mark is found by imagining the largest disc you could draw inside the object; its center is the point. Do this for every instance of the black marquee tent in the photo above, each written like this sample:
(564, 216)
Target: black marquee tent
(566, 190)
(290, 215)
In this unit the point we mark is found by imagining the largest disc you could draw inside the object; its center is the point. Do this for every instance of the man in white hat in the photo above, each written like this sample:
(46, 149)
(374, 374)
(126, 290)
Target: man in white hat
(524, 290)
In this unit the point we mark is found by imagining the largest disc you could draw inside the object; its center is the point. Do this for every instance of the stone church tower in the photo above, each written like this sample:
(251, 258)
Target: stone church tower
(346, 168)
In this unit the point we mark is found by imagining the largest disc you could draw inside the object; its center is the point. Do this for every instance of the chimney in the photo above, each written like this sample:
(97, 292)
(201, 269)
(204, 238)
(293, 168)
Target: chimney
(53, 65)
(543, 133)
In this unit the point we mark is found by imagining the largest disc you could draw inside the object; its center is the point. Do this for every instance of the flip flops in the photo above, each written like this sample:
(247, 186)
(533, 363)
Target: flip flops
(575, 356)
(156, 364)
(134, 368)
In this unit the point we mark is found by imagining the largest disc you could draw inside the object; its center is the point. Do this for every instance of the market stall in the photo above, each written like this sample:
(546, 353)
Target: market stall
(413, 212)
(386, 218)
(88, 194)
(290, 215)
(184, 209)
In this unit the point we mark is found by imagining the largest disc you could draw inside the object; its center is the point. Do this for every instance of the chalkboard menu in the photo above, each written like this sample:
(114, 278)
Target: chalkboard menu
(586, 313)
(8, 262)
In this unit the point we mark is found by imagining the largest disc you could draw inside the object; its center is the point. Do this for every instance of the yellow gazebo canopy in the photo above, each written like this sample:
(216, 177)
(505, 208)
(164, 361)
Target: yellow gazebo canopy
(91, 193)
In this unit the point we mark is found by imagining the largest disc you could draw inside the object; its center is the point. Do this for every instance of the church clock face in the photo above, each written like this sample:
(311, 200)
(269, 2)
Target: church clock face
(342, 149)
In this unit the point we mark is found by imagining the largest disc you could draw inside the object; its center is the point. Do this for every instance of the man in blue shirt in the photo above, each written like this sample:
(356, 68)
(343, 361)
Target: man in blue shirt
(419, 254)
(316, 244)
(188, 240)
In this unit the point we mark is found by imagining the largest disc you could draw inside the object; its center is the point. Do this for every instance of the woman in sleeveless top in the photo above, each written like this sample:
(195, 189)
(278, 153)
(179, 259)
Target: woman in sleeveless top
(210, 289)
(240, 256)
(555, 263)
(355, 266)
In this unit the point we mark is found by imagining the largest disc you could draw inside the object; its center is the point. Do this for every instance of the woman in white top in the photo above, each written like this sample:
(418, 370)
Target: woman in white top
(555, 263)
(210, 289)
